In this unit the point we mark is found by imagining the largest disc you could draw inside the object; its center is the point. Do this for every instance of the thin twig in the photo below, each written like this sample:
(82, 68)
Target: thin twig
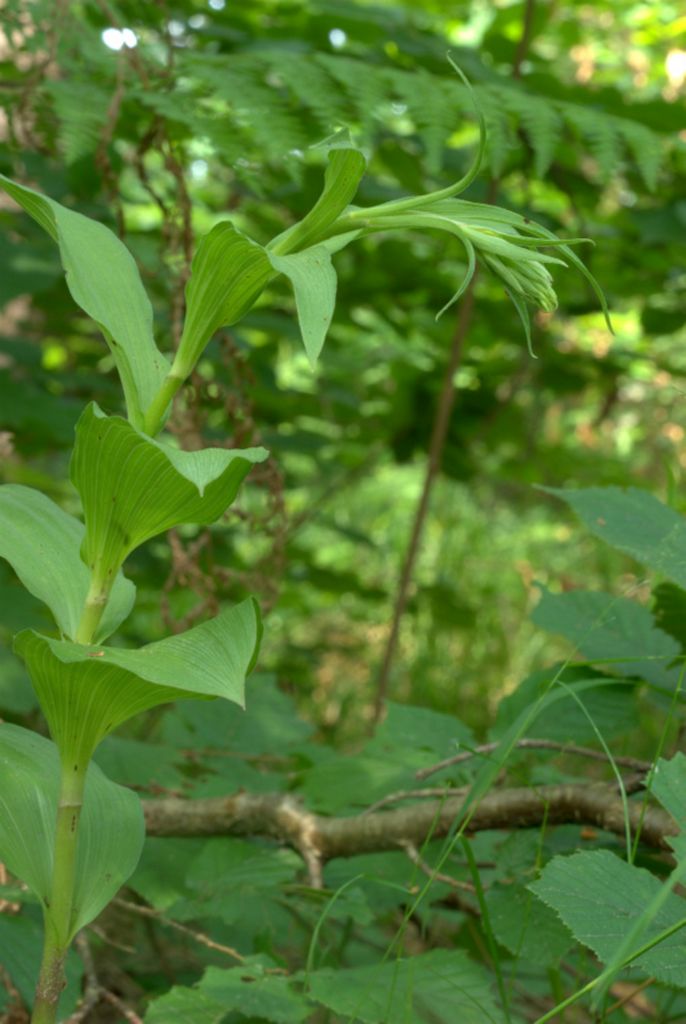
(417, 859)
(439, 433)
(124, 1010)
(634, 763)
(93, 990)
(440, 427)
(413, 794)
(199, 937)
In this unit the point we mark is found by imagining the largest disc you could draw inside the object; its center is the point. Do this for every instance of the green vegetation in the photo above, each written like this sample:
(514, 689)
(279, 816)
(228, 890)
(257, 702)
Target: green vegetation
(456, 791)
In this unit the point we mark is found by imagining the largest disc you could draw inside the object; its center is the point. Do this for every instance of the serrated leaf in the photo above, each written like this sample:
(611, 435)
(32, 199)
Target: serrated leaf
(255, 993)
(229, 271)
(42, 543)
(111, 829)
(443, 985)
(525, 926)
(86, 691)
(184, 1006)
(669, 609)
(611, 704)
(133, 487)
(103, 279)
(314, 283)
(249, 990)
(605, 627)
(634, 521)
(600, 897)
(668, 785)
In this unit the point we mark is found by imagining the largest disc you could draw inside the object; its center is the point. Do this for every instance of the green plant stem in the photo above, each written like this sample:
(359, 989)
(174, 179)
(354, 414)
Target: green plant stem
(58, 913)
(94, 606)
(154, 416)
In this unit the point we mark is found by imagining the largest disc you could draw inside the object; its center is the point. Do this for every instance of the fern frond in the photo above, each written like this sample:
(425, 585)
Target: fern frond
(81, 109)
(644, 146)
(254, 104)
(432, 105)
(539, 120)
(364, 84)
(311, 86)
(500, 138)
(599, 131)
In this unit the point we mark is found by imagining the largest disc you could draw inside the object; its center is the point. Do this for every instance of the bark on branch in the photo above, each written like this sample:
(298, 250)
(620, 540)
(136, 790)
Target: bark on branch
(319, 839)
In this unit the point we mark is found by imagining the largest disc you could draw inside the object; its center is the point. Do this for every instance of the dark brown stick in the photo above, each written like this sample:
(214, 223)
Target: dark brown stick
(282, 818)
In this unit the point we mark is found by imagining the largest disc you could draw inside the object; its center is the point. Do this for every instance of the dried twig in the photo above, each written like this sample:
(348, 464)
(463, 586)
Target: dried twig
(535, 744)
(415, 794)
(437, 876)
(126, 1011)
(199, 937)
(93, 990)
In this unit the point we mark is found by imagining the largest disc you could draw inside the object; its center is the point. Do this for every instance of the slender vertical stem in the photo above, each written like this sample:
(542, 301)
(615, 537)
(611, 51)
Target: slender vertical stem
(440, 427)
(437, 443)
(96, 602)
(59, 911)
(58, 914)
(160, 403)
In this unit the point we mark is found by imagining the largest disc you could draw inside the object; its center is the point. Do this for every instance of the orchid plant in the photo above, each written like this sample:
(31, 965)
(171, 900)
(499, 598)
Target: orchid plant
(69, 833)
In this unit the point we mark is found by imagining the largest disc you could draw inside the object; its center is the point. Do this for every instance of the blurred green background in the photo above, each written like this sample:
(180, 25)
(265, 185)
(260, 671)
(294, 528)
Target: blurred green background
(161, 119)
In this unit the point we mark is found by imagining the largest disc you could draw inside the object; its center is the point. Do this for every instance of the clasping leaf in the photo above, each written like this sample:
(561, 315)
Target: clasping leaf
(86, 691)
(103, 279)
(111, 828)
(133, 487)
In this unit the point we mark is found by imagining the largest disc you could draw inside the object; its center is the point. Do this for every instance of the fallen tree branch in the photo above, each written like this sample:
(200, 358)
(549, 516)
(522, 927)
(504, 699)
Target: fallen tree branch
(281, 817)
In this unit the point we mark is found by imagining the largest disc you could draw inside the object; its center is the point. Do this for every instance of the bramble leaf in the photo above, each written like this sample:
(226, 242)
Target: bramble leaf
(600, 897)
(442, 984)
(634, 521)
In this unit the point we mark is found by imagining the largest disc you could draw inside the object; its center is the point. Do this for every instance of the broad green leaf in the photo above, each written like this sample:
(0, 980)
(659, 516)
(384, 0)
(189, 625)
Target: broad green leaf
(600, 897)
(314, 283)
(184, 1006)
(443, 985)
(272, 724)
(103, 279)
(408, 739)
(611, 703)
(111, 829)
(668, 785)
(21, 942)
(255, 993)
(249, 990)
(228, 273)
(86, 691)
(42, 543)
(605, 627)
(669, 609)
(525, 926)
(341, 179)
(231, 876)
(635, 522)
(133, 487)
